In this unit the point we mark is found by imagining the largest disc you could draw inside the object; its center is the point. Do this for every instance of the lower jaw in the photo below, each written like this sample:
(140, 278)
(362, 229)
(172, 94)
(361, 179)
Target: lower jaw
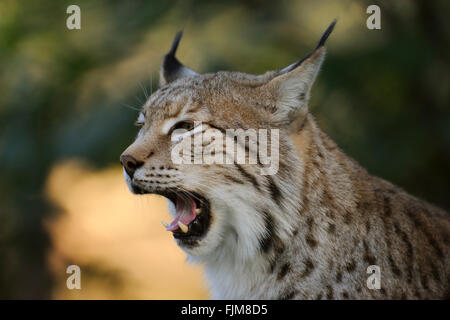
(188, 242)
(198, 228)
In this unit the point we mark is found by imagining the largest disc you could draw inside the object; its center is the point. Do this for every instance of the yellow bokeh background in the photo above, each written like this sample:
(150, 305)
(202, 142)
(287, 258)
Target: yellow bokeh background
(116, 238)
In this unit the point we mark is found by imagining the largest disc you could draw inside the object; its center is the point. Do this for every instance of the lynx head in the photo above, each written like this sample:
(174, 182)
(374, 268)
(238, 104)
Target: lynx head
(223, 206)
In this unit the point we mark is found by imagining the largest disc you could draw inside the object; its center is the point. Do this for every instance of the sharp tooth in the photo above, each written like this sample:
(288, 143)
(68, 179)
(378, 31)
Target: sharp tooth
(198, 211)
(183, 227)
(164, 224)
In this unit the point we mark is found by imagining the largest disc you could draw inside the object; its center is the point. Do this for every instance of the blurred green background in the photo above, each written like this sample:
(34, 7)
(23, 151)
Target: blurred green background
(382, 95)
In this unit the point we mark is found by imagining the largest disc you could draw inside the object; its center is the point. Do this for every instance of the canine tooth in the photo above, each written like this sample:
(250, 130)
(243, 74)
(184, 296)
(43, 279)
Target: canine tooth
(164, 224)
(198, 211)
(183, 227)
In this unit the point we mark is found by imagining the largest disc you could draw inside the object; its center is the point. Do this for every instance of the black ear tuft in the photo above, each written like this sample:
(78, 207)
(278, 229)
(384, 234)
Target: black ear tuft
(171, 65)
(176, 42)
(171, 68)
(326, 34)
(321, 43)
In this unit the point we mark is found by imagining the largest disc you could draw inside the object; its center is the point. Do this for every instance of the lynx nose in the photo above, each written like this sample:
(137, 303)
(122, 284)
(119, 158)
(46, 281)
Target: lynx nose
(130, 164)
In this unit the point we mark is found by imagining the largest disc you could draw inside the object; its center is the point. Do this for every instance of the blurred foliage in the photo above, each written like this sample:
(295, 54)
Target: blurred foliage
(383, 95)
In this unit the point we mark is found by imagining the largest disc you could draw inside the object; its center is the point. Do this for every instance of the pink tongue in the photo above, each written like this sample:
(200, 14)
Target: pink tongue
(185, 213)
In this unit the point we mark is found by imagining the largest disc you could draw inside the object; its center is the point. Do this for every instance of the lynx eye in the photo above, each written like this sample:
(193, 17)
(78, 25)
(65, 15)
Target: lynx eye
(186, 125)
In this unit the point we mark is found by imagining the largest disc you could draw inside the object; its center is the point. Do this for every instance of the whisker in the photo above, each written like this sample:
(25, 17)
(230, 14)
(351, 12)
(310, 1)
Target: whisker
(139, 100)
(144, 89)
(130, 107)
(151, 83)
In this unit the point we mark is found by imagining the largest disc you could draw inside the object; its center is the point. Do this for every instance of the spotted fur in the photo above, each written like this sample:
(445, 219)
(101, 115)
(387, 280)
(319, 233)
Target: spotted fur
(311, 230)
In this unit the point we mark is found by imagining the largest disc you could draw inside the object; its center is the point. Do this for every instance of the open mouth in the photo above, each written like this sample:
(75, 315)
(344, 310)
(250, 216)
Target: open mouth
(192, 215)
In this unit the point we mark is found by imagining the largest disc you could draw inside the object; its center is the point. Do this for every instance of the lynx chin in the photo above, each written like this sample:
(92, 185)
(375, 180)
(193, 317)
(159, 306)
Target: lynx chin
(311, 230)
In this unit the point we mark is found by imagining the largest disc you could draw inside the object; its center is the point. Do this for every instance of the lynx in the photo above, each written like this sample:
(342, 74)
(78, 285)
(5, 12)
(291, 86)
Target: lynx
(311, 230)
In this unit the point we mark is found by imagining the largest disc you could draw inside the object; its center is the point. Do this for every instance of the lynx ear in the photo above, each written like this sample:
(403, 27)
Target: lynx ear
(171, 68)
(292, 86)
